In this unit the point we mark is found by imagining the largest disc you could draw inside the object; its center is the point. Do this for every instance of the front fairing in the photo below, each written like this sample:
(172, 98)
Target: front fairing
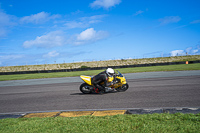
(120, 80)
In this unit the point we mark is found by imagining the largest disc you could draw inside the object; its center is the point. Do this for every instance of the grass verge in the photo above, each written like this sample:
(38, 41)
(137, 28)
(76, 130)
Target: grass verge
(182, 67)
(119, 123)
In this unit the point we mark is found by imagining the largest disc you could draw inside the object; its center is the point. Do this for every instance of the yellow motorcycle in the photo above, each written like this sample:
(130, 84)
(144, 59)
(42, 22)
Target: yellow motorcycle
(118, 79)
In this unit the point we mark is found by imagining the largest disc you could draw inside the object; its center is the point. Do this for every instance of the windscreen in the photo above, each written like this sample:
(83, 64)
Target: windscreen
(119, 74)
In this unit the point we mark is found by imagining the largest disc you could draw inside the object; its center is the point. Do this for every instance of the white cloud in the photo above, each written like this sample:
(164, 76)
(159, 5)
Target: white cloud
(90, 36)
(58, 38)
(93, 19)
(3, 32)
(74, 24)
(169, 19)
(104, 3)
(85, 21)
(8, 59)
(52, 39)
(187, 51)
(177, 53)
(11, 57)
(195, 22)
(195, 51)
(138, 12)
(6, 21)
(38, 18)
(51, 54)
(87, 35)
(76, 12)
(191, 51)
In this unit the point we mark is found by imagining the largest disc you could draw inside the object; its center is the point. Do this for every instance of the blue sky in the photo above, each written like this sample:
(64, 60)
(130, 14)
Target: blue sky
(64, 31)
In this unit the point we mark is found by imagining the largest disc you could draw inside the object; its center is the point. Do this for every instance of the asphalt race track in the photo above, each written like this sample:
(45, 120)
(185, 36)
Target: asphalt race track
(146, 90)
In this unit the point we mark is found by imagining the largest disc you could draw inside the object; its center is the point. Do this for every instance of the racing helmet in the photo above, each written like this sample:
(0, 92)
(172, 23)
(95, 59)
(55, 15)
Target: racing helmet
(110, 72)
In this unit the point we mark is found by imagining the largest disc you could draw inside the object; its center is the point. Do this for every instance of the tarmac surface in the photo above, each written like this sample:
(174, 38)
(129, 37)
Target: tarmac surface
(148, 92)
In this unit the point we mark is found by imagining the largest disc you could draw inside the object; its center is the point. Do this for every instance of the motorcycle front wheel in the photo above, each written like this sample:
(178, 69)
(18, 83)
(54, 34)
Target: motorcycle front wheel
(123, 88)
(85, 88)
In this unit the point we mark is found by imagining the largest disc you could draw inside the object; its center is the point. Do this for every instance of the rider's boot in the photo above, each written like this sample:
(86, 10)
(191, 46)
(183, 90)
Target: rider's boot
(101, 90)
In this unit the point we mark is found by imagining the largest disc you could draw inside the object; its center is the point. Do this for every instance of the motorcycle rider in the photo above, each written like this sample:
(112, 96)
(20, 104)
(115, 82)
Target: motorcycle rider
(103, 77)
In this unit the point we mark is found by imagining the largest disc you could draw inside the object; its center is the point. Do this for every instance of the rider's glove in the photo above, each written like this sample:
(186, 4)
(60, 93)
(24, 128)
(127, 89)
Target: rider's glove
(114, 82)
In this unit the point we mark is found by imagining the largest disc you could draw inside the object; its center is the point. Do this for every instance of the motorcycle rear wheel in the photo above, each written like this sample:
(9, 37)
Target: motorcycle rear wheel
(123, 88)
(85, 88)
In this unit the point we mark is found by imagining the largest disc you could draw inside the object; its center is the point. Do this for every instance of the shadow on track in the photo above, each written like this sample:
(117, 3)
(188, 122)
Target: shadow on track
(93, 93)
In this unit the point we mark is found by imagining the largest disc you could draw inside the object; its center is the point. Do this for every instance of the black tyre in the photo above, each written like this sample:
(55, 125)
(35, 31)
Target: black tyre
(85, 88)
(123, 88)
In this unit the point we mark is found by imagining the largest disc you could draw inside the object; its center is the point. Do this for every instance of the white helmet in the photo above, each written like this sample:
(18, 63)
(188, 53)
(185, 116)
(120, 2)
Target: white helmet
(110, 72)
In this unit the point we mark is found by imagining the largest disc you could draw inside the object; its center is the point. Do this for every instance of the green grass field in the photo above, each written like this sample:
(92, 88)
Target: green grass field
(159, 123)
(182, 67)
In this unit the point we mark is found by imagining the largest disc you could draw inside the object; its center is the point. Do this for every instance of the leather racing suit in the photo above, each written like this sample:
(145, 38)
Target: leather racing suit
(99, 79)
